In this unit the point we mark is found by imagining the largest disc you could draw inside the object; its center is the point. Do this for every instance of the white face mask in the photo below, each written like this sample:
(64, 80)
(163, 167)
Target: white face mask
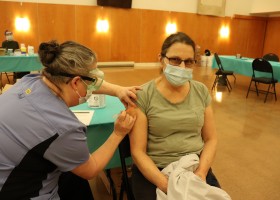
(9, 37)
(92, 87)
(85, 98)
(177, 76)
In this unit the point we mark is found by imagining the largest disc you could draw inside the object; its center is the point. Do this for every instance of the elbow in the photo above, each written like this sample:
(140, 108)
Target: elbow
(137, 156)
(89, 176)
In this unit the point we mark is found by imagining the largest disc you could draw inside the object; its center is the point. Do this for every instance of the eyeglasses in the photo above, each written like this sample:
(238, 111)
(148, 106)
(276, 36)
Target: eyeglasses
(92, 79)
(95, 80)
(177, 61)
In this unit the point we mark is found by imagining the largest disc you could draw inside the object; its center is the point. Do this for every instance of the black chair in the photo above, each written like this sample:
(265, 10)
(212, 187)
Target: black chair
(271, 57)
(263, 66)
(221, 75)
(124, 150)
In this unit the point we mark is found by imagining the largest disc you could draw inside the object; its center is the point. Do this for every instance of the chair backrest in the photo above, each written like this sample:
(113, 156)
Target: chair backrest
(219, 63)
(262, 65)
(124, 150)
(271, 57)
(124, 147)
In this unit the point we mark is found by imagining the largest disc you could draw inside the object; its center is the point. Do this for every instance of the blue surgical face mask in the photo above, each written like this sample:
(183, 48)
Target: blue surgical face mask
(177, 76)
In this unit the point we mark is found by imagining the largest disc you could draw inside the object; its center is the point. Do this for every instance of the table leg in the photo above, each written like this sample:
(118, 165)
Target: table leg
(112, 184)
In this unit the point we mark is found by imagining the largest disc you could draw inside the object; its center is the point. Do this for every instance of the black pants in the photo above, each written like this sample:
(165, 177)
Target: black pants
(73, 187)
(145, 190)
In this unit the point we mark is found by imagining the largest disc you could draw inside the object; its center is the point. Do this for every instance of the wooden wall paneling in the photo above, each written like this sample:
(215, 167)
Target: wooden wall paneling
(56, 22)
(126, 31)
(86, 20)
(224, 45)
(152, 33)
(248, 36)
(137, 34)
(228, 46)
(257, 37)
(272, 42)
(7, 21)
(187, 23)
(206, 32)
(9, 11)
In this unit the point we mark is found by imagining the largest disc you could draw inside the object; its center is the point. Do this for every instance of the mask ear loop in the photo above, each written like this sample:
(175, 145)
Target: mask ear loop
(78, 93)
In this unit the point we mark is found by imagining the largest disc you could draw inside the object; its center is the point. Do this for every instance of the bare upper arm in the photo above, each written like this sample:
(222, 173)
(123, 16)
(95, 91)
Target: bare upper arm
(209, 130)
(138, 135)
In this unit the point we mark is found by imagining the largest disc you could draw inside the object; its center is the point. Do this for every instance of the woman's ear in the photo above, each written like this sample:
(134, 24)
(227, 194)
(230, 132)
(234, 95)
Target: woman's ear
(160, 58)
(74, 82)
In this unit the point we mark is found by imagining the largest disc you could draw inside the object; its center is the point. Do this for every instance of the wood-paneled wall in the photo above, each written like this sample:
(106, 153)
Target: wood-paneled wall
(272, 38)
(136, 34)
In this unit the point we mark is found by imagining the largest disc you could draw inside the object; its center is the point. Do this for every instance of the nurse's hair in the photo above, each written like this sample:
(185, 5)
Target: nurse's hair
(67, 58)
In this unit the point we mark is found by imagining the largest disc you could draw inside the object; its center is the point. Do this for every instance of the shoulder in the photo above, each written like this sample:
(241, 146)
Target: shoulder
(199, 85)
(144, 96)
(4, 43)
(200, 91)
(146, 87)
(56, 114)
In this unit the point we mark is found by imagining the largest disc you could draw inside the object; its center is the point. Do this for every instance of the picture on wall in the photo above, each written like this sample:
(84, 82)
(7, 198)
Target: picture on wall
(211, 7)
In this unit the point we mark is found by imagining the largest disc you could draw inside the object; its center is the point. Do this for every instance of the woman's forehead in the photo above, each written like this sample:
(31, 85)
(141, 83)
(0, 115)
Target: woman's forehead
(180, 49)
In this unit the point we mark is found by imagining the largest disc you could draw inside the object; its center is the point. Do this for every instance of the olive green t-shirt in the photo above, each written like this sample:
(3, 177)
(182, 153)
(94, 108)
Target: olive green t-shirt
(174, 130)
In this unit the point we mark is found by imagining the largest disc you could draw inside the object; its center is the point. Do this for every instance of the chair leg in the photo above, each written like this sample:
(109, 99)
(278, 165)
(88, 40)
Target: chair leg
(121, 190)
(112, 184)
(228, 85)
(229, 90)
(256, 88)
(234, 78)
(267, 92)
(7, 77)
(249, 89)
(275, 92)
(215, 82)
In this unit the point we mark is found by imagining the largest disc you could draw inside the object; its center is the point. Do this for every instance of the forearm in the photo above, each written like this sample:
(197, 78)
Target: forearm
(207, 157)
(108, 88)
(105, 152)
(150, 171)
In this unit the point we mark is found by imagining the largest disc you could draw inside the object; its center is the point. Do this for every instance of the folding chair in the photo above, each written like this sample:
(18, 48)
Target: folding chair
(262, 66)
(124, 150)
(221, 74)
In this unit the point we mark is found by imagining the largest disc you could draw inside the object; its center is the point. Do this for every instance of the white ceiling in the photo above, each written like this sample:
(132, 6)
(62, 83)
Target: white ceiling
(233, 7)
(265, 8)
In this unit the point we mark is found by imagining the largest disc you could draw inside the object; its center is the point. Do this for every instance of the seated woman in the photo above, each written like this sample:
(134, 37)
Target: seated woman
(174, 119)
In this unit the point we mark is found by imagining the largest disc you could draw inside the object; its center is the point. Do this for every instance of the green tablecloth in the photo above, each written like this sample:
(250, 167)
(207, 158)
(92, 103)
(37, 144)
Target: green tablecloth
(20, 63)
(102, 125)
(244, 65)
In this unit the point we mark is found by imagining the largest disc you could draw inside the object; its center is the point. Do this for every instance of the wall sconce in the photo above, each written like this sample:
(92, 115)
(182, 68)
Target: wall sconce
(102, 25)
(171, 28)
(224, 32)
(22, 24)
